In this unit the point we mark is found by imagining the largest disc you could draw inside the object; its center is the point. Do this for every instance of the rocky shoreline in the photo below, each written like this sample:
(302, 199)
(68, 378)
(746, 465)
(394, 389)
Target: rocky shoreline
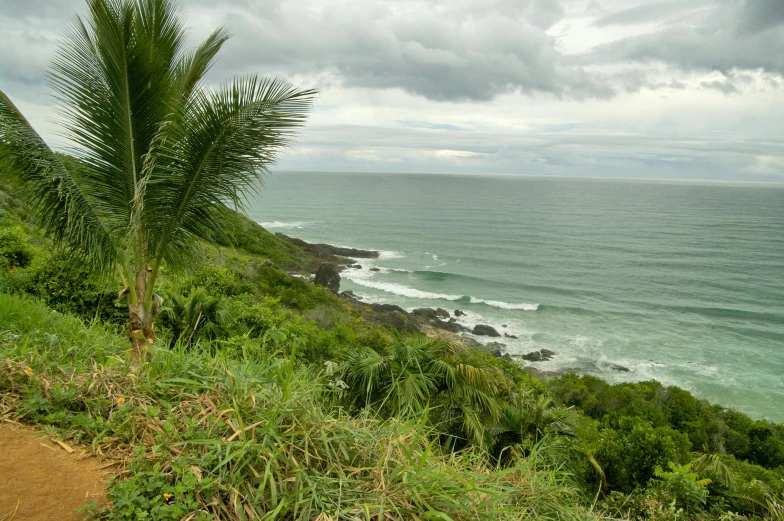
(436, 323)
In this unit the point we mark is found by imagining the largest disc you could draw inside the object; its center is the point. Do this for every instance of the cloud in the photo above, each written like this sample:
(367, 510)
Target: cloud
(443, 51)
(727, 35)
(767, 165)
(761, 15)
(456, 154)
(650, 12)
(660, 88)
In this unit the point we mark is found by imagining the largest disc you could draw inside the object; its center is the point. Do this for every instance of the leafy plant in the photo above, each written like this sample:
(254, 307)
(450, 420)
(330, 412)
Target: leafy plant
(684, 486)
(162, 159)
(15, 249)
(418, 373)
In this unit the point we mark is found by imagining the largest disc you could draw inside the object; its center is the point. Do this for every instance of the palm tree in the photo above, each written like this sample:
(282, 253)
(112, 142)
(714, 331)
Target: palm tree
(420, 374)
(164, 160)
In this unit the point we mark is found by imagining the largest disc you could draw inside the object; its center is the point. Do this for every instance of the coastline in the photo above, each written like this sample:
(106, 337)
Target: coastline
(432, 322)
(435, 321)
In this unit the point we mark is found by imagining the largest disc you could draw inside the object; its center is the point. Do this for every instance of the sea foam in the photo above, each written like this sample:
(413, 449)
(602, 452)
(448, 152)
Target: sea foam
(282, 224)
(402, 290)
(503, 305)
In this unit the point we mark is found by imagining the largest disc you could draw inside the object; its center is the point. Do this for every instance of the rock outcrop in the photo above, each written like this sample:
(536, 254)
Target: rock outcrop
(485, 330)
(425, 313)
(323, 250)
(539, 356)
(494, 348)
(328, 276)
(452, 327)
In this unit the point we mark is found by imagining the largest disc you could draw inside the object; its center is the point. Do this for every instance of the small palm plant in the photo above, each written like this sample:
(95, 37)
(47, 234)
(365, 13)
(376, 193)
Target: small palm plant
(196, 316)
(419, 375)
(163, 159)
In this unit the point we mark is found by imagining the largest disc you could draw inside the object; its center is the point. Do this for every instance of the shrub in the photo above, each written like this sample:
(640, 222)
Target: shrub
(15, 249)
(218, 281)
(630, 454)
(683, 485)
(65, 284)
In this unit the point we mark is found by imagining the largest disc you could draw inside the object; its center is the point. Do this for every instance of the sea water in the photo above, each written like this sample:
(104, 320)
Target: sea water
(682, 282)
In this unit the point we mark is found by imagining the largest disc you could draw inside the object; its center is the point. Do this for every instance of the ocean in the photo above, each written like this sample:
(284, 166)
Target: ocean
(681, 282)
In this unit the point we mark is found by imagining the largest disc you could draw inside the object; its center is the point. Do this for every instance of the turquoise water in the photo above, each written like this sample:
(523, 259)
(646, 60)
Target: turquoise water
(679, 282)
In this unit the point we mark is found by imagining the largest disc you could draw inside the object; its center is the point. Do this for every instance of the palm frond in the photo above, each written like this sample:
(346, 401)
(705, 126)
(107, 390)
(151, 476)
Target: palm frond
(214, 152)
(411, 391)
(60, 205)
(191, 67)
(710, 466)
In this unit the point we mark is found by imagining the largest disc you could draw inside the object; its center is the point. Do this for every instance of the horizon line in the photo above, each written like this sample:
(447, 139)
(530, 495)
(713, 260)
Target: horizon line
(779, 181)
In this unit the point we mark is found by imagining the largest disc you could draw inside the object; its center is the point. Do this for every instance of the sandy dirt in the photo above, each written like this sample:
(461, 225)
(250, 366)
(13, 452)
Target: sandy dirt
(42, 481)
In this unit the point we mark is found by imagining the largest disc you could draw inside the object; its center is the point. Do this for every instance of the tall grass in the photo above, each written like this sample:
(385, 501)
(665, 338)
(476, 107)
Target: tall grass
(244, 433)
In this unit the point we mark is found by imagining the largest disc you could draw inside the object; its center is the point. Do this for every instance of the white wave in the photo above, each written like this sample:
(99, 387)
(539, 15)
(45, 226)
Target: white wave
(282, 224)
(504, 305)
(403, 291)
(387, 254)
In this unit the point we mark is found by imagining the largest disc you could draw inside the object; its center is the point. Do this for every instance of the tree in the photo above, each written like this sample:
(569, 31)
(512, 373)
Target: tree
(164, 160)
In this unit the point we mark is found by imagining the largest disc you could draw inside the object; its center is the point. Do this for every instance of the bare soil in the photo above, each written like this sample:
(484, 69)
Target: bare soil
(41, 481)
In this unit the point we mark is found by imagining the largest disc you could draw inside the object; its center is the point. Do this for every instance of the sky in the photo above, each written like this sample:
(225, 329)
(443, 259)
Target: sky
(684, 89)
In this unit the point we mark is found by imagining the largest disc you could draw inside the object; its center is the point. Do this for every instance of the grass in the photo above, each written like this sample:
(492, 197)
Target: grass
(243, 432)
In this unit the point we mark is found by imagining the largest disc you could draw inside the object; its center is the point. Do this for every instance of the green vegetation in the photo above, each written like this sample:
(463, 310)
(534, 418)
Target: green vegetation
(162, 160)
(267, 397)
(244, 431)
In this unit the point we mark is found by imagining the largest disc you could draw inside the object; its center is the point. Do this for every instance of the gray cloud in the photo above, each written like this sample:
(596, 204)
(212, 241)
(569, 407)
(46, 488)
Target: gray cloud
(651, 12)
(726, 86)
(760, 15)
(559, 153)
(439, 50)
(39, 9)
(380, 64)
(727, 37)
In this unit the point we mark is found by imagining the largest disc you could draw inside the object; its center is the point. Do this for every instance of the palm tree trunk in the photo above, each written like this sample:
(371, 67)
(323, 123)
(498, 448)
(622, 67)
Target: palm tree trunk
(140, 319)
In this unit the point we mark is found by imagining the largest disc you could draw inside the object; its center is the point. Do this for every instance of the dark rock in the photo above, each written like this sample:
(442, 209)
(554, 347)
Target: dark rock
(504, 325)
(485, 330)
(453, 319)
(539, 356)
(356, 266)
(349, 294)
(388, 315)
(425, 313)
(442, 313)
(328, 276)
(533, 356)
(621, 368)
(507, 335)
(321, 250)
(494, 348)
(375, 269)
(453, 327)
(387, 308)
(547, 375)
(459, 313)
(472, 343)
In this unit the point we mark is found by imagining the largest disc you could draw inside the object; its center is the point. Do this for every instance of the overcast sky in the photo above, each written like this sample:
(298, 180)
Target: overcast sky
(690, 89)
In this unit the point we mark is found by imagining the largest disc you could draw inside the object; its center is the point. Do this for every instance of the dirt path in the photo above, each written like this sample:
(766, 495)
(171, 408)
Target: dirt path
(41, 481)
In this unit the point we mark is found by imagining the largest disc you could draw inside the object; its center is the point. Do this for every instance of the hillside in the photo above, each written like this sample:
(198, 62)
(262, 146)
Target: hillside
(267, 396)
